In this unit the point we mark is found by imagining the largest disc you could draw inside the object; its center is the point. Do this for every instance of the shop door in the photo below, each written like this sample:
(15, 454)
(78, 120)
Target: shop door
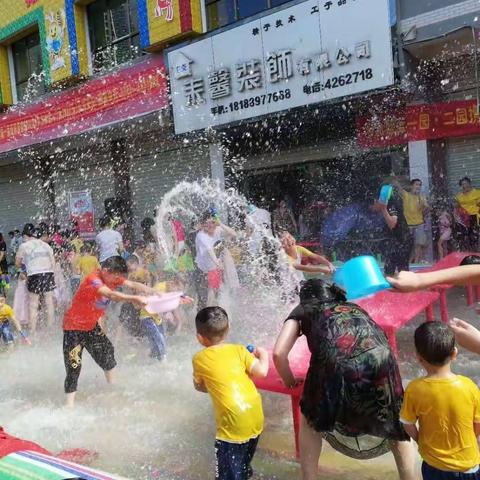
(463, 160)
(22, 198)
(156, 173)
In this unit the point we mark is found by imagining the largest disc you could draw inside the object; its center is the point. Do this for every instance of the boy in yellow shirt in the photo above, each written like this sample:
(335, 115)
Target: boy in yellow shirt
(224, 371)
(88, 262)
(7, 316)
(446, 407)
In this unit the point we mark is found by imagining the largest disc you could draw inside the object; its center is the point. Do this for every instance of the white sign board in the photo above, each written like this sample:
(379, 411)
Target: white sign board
(304, 54)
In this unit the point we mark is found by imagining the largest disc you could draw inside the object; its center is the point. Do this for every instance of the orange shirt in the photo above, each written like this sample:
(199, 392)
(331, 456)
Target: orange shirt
(88, 305)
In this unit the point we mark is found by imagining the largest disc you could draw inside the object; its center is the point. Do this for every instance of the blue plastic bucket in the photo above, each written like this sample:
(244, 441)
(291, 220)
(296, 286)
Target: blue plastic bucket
(360, 277)
(385, 194)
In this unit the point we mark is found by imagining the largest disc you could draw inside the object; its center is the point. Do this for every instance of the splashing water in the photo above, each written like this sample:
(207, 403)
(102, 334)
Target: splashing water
(256, 306)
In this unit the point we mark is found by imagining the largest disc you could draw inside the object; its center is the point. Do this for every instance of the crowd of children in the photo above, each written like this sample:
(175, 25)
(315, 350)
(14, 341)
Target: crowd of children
(440, 411)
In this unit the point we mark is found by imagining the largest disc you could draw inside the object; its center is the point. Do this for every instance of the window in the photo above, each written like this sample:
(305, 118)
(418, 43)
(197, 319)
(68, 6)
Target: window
(28, 67)
(223, 12)
(113, 31)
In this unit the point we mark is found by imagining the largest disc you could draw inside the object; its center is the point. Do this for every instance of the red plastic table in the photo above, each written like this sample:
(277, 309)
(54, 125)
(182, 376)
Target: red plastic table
(390, 310)
(299, 361)
(393, 310)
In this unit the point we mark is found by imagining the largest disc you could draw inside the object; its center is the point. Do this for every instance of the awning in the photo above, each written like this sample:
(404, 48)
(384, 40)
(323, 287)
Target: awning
(455, 42)
(127, 93)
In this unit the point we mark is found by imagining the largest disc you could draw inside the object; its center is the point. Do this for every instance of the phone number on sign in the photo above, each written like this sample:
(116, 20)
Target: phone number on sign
(253, 102)
(340, 81)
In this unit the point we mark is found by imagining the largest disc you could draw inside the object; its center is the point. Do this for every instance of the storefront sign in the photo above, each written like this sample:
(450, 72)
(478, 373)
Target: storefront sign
(419, 122)
(308, 53)
(80, 206)
(125, 94)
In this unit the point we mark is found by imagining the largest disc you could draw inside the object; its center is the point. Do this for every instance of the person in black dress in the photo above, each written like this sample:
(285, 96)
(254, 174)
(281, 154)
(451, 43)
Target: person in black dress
(353, 387)
(399, 241)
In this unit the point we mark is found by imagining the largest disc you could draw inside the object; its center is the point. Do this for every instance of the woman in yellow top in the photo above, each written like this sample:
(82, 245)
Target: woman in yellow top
(296, 253)
(469, 199)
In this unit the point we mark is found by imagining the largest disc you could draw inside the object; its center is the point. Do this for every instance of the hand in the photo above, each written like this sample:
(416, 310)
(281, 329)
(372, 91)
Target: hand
(466, 335)
(296, 383)
(331, 267)
(140, 302)
(406, 282)
(186, 300)
(377, 206)
(259, 351)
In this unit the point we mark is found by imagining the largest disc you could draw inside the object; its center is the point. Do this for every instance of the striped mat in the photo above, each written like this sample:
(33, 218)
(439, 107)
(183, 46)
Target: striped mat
(27, 465)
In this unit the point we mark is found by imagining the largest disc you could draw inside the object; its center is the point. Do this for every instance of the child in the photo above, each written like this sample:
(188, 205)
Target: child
(445, 230)
(224, 371)
(155, 329)
(136, 273)
(6, 317)
(88, 262)
(80, 324)
(446, 406)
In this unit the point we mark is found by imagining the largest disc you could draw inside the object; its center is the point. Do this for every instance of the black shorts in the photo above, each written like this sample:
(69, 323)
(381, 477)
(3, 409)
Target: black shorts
(97, 345)
(41, 283)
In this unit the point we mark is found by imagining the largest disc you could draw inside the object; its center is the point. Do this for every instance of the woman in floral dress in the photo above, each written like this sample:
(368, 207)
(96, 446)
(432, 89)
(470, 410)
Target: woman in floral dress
(353, 388)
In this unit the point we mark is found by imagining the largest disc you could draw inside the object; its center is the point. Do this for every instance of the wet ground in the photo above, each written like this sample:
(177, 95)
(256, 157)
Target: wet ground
(152, 424)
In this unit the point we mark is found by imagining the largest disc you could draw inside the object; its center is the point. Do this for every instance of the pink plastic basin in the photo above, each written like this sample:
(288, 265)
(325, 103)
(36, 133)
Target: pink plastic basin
(163, 303)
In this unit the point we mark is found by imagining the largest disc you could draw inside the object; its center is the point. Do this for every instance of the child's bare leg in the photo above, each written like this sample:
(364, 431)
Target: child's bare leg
(33, 301)
(109, 376)
(50, 308)
(70, 399)
(211, 297)
(404, 455)
(310, 449)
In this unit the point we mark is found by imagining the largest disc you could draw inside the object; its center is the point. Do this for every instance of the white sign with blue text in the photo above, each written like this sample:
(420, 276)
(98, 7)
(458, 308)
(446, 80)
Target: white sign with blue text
(308, 53)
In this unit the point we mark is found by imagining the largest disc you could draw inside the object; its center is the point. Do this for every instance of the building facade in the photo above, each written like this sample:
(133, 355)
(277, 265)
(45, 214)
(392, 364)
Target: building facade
(318, 99)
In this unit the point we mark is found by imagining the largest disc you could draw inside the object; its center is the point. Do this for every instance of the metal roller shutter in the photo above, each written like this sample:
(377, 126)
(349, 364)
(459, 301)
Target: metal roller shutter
(153, 174)
(96, 178)
(22, 197)
(463, 160)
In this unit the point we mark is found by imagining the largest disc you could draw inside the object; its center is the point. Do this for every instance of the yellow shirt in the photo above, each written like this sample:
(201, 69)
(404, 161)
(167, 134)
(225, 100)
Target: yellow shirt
(6, 313)
(413, 206)
(140, 275)
(87, 265)
(301, 252)
(469, 201)
(77, 244)
(446, 410)
(224, 369)
(160, 287)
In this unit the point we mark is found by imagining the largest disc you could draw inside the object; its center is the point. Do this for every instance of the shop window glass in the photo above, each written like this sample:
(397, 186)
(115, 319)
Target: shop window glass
(223, 12)
(28, 67)
(246, 8)
(220, 13)
(113, 31)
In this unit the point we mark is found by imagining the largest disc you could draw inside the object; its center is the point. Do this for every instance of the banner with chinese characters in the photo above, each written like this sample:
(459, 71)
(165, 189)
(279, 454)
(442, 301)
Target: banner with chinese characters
(125, 94)
(80, 206)
(419, 122)
(308, 53)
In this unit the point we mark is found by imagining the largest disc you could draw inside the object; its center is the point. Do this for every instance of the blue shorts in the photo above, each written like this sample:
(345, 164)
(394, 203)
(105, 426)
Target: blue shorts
(431, 473)
(234, 459)
(6, 332)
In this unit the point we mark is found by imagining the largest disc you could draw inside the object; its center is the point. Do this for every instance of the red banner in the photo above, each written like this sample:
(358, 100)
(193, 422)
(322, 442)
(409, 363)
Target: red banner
(419, 122)
(125, 94)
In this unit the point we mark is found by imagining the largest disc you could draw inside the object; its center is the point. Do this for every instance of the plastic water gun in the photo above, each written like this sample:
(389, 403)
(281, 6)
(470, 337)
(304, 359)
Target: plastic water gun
(251, 348)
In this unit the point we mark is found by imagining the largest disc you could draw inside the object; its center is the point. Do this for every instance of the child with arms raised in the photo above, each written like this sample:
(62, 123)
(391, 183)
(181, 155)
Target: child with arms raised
(224, 371)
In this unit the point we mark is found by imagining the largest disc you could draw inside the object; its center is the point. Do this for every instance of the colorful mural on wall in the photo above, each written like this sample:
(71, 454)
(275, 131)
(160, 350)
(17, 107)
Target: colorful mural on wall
(63, 37)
